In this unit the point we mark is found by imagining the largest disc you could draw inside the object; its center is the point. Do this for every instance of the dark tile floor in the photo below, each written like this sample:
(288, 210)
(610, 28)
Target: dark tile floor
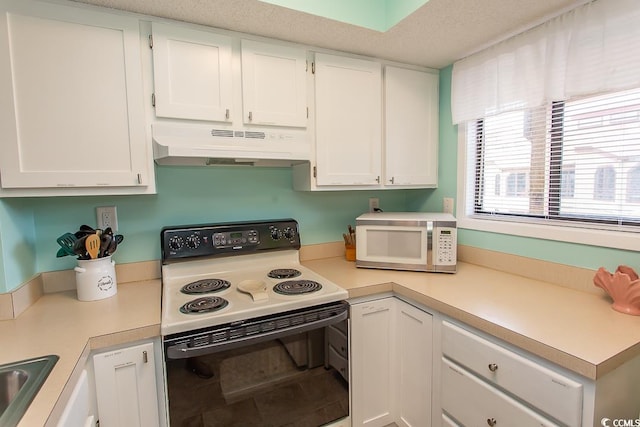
(283, 395)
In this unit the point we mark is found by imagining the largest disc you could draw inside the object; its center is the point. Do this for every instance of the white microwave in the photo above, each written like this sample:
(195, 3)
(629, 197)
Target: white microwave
(416, 241)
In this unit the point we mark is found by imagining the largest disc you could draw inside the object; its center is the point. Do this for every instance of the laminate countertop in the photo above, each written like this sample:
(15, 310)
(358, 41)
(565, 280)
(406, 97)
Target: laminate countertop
(574, 329)
(58, 323)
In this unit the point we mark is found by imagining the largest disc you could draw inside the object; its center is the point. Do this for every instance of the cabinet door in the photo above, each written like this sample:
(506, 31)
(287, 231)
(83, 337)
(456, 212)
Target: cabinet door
(348, 102)
(372, 357)
(126, 387)
(274, 90)
(78, 411)
(411, 128)
(191, 73)
(414, 336)
(71, 113)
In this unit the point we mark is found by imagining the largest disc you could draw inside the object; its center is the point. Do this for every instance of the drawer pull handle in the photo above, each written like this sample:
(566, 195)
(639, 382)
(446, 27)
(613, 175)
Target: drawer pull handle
(492, 421)
(493, 367)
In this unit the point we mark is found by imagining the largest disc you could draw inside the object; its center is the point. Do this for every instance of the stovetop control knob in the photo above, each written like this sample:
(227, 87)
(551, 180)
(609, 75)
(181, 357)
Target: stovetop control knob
(289, 233)
(276, 234)
(176, 243)
(193, 241)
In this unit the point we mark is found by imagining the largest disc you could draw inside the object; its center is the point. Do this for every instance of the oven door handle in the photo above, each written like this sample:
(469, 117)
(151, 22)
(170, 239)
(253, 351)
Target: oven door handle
(183, 351)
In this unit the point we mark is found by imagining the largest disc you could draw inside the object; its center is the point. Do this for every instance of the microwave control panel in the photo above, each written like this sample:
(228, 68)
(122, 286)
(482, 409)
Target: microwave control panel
(445, 242)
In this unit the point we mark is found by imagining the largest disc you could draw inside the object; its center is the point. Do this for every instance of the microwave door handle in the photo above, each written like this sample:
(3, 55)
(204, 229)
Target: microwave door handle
(430, 246)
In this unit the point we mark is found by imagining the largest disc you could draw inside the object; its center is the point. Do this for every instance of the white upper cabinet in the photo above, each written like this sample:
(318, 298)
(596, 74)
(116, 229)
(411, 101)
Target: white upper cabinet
(370, 132)
(71, 115)
(273, 85)
(348, 113)
(411, 128)
(192, 73)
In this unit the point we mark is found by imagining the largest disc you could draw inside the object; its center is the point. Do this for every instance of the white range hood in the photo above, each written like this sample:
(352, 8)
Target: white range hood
(210, 145)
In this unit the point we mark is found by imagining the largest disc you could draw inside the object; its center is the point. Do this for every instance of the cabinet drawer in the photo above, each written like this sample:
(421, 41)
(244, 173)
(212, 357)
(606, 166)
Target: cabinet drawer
(338, 341)
(341, 364)
(552, 393)
(473, 402)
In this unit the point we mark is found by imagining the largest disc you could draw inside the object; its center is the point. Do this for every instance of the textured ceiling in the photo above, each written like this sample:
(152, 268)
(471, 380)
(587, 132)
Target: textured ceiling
(435, 35)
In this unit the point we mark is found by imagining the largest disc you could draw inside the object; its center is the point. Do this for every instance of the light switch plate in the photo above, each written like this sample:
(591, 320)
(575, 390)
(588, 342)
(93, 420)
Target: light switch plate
(447, 205)
(107, 217)
(374, 203)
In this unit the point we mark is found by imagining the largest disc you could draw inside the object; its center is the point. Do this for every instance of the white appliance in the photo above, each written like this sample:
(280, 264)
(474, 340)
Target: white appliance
(236, 299)
(417, 241)
(207, 145)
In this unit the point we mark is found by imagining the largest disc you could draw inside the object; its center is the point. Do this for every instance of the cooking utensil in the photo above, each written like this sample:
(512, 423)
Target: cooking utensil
(80, 248)
(112, 247)
(105, 243)
(92, 243)
(66, 242)
(118, 238)
(256, 288)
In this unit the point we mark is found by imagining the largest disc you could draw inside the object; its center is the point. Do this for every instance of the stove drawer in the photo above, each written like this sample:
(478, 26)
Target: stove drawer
(341, 364)
(338, 340)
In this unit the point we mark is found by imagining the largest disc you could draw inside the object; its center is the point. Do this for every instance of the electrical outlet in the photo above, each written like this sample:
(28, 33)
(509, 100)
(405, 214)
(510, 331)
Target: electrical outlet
(107, 217)
(447, 205)
(374, 204)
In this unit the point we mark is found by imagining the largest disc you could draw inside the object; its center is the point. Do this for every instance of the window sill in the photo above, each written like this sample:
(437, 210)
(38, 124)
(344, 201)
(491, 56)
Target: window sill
(618, 239)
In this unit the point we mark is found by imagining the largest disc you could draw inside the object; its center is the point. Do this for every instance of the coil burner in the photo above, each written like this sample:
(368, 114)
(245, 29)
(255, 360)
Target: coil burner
(205, 286)
(284, 273)
(296, 287)
(204, 305)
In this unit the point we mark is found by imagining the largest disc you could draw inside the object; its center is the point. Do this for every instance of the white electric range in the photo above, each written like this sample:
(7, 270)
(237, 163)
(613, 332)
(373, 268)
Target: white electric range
(230, 283)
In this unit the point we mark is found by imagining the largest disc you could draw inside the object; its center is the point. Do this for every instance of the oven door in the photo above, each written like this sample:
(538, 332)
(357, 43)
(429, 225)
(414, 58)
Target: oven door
(281, 370)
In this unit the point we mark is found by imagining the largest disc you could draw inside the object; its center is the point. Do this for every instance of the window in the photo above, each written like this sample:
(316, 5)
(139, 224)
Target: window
(575, 160)
(633, 193)
(605, 183)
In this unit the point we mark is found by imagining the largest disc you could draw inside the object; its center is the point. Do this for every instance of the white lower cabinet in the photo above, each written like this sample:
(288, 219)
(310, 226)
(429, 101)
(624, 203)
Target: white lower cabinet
(371, 361)
(412, 370)
(414, 338)
(496, 367)
(80, 408)
(126, 387)
(473, 402)
(391, 362)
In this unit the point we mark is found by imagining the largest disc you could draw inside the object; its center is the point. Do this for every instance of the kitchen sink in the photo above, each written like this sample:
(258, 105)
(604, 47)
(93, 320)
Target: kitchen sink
(19, 383)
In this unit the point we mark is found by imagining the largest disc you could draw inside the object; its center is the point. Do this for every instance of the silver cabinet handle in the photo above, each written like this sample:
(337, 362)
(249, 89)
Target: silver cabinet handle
(250, 116)
(492, 421)
(493, 367)
(378, 179)
(145, 358)
(392, 180)
(226, 114)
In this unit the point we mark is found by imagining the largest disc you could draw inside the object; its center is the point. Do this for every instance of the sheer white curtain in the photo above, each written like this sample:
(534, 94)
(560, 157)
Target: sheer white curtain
(594, 48)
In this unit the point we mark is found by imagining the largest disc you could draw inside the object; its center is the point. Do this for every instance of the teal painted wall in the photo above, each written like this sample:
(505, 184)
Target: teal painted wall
(185, 196)
(17, 244)
(379, 15)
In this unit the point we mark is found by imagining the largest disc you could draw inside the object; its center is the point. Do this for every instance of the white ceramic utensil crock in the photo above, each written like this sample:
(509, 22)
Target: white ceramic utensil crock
(96, 279)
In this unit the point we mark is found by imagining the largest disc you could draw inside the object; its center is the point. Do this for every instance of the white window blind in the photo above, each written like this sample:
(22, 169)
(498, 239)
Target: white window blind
(591, 49)
(568, 160)
(552, 120)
